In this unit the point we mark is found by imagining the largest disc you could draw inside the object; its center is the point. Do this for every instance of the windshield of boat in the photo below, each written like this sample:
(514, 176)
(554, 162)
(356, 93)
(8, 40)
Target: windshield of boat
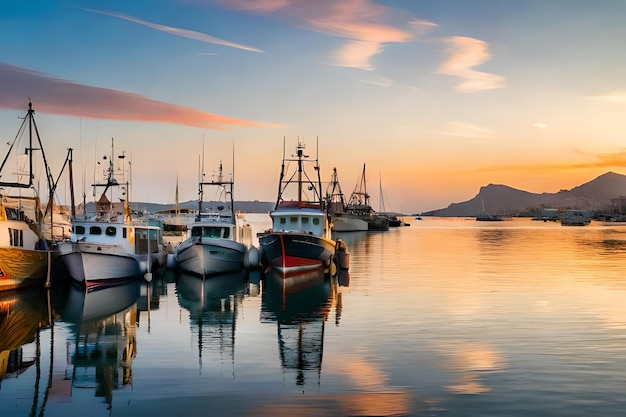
(211, 231)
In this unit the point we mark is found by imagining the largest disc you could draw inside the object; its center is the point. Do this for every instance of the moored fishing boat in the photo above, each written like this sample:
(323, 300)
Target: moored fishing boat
(359, 205)
(300, 237)
(216, 243)
(341, 220)
(25, 252)
(110, 244)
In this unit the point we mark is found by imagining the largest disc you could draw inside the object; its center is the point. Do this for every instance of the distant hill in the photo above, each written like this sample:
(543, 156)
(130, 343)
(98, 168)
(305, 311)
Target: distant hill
(497, 199)
(244, 206)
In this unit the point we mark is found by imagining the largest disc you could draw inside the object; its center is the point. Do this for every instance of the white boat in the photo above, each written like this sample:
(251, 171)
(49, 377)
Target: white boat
(300, 237)
(110, 244)
(359, 205)
(341, 221)
(216, 239)
(574, 218)
(25, 252)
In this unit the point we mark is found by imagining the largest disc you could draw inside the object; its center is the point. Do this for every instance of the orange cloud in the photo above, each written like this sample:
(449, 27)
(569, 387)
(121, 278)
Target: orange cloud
(613, 160)
(57, 96)
(464, 54)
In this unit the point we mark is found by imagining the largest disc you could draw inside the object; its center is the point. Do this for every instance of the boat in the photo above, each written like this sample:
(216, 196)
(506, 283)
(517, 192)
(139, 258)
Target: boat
(359, 205)
(341, 220)
(574, 218)
(111, 244)
(484, 216)
(300, 237)
(25, 252)
(176, 223)
(216, 242)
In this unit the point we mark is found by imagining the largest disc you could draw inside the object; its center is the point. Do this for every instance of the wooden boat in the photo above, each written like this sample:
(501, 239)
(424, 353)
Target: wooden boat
(110, 244)
(300, 237)
(25, 253)
(216, 242)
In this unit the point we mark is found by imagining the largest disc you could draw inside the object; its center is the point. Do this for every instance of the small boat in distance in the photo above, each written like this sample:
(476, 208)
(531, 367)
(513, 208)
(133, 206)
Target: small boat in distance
(574, 218)
(487, 217)
(341, 220)
(300, 237)
(359, 205)
(216, 242)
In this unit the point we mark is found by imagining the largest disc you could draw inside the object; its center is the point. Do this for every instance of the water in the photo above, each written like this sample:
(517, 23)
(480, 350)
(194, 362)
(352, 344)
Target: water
(447, 317)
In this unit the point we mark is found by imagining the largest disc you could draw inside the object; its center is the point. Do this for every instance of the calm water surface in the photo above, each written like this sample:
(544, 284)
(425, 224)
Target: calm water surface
(447, 317)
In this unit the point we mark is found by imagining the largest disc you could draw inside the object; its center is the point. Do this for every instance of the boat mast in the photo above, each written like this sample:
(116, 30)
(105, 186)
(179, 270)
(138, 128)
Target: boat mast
(317, 168)
(281, 179)
(300, 153)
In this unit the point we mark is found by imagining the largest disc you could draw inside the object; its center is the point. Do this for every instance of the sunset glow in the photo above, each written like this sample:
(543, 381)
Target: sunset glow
(437, 98)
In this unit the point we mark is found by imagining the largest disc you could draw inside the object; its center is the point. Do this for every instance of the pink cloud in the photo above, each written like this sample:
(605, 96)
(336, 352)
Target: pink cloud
(465, 54)
(360, 21)
(57, 96)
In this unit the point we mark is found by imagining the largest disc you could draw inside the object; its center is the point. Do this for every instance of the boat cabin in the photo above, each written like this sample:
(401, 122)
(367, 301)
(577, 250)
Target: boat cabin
(136, 239)
(21, 230)
(310, 222)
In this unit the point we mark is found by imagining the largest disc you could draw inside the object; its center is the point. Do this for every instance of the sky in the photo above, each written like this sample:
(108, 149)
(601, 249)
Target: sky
(434, 98)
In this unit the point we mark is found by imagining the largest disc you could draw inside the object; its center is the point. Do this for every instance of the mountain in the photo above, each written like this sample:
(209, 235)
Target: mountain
(498, 199)
(244, 206)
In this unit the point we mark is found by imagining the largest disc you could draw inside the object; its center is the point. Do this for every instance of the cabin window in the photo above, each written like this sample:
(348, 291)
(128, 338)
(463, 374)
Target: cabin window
(14, 214)
(95, 230)
(316, 221)
(110, 231)
(211, 231)
(124, 233)
(16, 237)
(146, 241)
(282, 220)
(80, 230)
(305, 220)
(294, 220)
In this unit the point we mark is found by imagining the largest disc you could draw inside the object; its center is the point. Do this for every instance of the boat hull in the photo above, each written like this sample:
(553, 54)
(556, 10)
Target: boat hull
(208, 256)
(22, 267)
(291, 252)
(92, 263)
(349, 224)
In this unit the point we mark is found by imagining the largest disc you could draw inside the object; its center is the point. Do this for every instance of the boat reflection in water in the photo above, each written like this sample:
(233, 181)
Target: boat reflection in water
(213, 306)
(22, 315)
(104, 336)
(300, 316)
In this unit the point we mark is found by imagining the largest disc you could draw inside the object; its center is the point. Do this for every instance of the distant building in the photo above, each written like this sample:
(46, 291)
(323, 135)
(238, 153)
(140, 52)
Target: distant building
(618, 205)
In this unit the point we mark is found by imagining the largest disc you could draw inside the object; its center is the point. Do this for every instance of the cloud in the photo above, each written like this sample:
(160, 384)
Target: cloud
(57, 96)
(185, 33)
(465, 54)
(540, 125)
(617, 97)
(360, 21)
(605, 161)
